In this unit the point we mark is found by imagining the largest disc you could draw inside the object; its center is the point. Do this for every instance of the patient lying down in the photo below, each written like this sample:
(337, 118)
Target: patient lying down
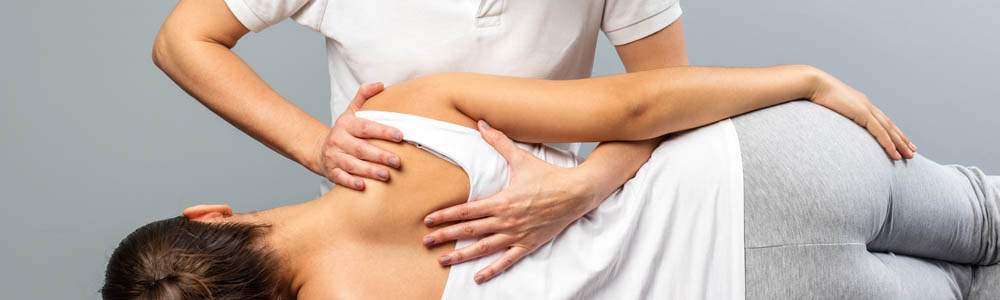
(349, 244)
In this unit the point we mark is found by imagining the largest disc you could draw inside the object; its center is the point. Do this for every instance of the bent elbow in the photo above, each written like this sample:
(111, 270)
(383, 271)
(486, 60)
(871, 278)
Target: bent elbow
(633, 119)
(162, 44)
(159, 51)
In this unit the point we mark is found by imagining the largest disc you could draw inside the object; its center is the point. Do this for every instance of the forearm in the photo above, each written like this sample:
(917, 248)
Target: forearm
(611, 164)
(210, 72)
(633, 106)
(677, 99)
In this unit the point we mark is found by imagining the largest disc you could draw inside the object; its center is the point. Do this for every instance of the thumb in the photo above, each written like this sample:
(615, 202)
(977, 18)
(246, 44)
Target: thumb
(367, 90)
(504, 145)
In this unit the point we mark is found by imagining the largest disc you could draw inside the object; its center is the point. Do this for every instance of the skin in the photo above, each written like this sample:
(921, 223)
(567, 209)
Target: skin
(193, 48)
(352, 244)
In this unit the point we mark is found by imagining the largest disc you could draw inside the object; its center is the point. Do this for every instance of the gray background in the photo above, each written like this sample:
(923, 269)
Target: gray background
(96, 141)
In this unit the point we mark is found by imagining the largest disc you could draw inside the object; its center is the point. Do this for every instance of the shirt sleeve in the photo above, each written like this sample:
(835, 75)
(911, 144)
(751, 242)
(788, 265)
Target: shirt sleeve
(257, 15)
(626, 21)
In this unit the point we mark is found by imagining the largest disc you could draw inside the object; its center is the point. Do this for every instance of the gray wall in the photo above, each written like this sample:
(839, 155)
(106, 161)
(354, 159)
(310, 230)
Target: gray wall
(96, 141)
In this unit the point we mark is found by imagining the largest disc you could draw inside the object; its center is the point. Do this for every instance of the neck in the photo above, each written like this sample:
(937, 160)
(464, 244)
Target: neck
(296, 232)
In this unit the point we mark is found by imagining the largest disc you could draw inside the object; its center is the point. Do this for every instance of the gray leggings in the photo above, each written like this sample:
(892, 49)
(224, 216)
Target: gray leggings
(828, 215)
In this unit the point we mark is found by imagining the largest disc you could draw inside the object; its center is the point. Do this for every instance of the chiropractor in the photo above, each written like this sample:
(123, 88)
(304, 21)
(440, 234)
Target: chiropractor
(394, 41)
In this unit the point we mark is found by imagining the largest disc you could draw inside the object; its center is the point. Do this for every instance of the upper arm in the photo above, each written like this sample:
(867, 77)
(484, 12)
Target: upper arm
(201, 20)
(664, 48)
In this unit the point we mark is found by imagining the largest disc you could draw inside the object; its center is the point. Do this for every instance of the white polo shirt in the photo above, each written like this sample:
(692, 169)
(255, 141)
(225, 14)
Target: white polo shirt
(392, 41)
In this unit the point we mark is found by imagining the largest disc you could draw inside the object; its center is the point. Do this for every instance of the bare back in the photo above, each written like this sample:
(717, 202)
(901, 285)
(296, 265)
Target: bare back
(375, 251)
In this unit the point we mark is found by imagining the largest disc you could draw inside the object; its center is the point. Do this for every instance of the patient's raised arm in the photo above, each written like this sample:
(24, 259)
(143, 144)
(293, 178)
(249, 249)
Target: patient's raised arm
(653, 103)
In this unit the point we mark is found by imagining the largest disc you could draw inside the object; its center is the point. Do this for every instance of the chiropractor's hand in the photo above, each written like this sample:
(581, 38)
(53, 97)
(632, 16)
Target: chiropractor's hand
(540, 201)
(343, 154)
(838, 96)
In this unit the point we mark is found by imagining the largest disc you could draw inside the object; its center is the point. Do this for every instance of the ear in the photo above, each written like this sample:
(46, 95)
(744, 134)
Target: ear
(207, 213)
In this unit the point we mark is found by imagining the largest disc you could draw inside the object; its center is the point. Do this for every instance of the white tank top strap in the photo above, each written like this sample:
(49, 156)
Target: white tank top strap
(460, 145)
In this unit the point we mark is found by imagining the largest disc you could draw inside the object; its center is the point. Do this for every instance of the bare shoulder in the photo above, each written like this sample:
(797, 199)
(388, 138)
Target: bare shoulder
(423, 96)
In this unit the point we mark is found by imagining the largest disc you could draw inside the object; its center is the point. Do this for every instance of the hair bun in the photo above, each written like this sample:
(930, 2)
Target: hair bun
(175, 285)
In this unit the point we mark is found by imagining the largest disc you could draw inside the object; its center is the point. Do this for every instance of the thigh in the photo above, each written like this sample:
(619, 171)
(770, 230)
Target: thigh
(818, 271)
(850, 271)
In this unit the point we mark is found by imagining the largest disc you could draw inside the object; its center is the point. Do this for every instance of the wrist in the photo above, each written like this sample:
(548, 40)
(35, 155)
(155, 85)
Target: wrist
(815, 81)
(309, 152)
(590, 184)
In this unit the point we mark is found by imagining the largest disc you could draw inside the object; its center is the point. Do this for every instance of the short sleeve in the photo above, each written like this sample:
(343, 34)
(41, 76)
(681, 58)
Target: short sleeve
(257, 15)
(626, 21)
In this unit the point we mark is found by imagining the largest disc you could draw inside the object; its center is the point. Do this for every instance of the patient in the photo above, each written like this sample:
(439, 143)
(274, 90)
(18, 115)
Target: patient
(800, 173)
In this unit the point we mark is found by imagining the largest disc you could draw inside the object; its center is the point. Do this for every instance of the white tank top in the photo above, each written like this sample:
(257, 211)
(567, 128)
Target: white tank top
(464, 147)
(674, 231)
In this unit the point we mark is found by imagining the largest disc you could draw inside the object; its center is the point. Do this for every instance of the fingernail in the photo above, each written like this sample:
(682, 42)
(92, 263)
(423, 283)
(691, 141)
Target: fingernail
(383, 174)
(913, 147)
(357, 184)
(484, 125)
(444, 260)
(479, 279)
(428, 240)
(394, 161)
(428, 221)
(397, 136)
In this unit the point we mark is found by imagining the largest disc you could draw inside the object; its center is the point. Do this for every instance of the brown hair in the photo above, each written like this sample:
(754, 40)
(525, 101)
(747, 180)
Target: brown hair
(181, 259)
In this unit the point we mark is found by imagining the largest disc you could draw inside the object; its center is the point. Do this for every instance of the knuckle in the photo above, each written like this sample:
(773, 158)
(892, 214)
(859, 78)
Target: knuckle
(483, 247)
(458, 256)
(508, 203)
(349, 168)
(341, 176)
(517, 223)
(506, 263)
(507, 223)
(464, 213)
(468, 230)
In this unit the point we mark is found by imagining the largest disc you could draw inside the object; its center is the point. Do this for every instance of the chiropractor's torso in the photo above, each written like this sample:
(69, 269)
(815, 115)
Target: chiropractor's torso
(392, 41)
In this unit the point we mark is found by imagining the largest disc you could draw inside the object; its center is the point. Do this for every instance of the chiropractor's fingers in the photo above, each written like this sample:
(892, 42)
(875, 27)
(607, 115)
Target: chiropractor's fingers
(504, 145)
(357, 167)
(365, 91)
(463, 230)
(364, 150)
(465, 211)
(358, 128)
(506, 260)
(368, 129)
(342, 178)
(483, 247)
